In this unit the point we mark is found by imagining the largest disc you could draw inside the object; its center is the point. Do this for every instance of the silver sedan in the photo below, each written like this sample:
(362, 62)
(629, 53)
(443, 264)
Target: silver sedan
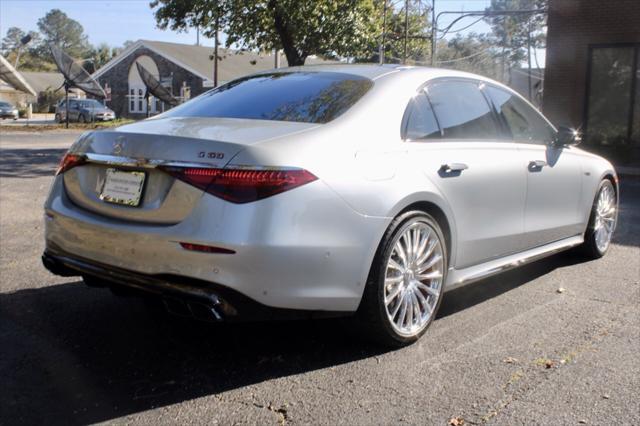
(327, 190)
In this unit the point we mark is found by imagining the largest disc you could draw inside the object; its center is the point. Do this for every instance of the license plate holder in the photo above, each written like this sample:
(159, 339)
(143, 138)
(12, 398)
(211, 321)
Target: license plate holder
(123, 187)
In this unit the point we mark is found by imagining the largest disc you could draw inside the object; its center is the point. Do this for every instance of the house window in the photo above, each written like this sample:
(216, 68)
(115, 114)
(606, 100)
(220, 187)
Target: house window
(613, 103)
(132, 100)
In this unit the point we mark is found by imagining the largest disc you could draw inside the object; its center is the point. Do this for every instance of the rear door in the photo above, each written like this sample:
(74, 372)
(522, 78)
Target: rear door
(553, 173)
(456, 139)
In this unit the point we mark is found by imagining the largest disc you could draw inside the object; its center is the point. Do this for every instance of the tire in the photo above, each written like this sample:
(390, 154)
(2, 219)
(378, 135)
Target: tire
(385, 322)
(57, 118)
(602, 222)
(81, 119)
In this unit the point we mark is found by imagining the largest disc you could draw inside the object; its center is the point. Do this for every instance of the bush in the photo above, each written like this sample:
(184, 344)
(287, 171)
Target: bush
(47, 100)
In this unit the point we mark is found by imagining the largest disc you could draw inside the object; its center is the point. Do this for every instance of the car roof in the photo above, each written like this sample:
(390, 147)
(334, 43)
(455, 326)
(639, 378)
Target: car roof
(376, 71)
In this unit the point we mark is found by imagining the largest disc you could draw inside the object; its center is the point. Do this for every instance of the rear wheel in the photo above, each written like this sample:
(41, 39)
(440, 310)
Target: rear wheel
(406, 280)
(57, 118)
(602, 222)
(81, 119)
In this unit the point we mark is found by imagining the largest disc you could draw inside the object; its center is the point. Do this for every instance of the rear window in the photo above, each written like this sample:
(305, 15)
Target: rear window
(307, 97)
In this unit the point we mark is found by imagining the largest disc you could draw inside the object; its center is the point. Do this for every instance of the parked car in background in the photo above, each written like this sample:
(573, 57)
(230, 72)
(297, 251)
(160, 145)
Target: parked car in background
(8, 111)
(321, 190)
(83, 111)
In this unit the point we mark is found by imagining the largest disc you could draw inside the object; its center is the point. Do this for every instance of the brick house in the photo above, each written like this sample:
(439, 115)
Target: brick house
(592, 75)
(186, 70)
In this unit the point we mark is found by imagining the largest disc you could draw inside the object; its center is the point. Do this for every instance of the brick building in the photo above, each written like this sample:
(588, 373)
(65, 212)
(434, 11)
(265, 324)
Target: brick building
(592, 76)
(186, 70)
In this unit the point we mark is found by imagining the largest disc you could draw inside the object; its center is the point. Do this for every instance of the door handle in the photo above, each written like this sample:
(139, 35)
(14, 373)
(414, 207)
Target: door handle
(537, 164)
(453, 167)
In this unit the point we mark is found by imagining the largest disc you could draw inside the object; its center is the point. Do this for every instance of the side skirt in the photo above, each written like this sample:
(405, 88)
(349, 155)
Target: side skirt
(458, 278)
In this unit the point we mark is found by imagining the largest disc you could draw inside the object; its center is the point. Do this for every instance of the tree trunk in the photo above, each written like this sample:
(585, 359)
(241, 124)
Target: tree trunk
(294, 56)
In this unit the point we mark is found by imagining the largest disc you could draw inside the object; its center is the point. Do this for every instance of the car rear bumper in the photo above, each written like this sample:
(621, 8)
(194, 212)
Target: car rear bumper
(182, 295)
(303, 250)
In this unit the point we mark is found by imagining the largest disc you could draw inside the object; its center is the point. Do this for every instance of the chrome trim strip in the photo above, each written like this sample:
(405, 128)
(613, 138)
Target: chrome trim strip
(142, 162)
(462, 277)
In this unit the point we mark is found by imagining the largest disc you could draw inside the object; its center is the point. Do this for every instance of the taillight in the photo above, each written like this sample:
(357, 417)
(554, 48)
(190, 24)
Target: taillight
(69, 161)
(242, 185)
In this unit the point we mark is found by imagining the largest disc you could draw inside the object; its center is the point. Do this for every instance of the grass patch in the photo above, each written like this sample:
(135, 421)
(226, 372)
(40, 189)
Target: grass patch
(72, 126)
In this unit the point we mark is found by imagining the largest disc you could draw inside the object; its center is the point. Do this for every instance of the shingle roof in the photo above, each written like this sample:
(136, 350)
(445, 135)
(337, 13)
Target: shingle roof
(198, 59)
(41, 81)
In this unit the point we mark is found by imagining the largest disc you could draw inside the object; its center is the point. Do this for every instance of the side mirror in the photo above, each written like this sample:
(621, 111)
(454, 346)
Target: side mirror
(567, 136)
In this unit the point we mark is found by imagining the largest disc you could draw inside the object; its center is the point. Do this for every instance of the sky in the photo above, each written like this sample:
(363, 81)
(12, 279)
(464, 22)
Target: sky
(115, 21)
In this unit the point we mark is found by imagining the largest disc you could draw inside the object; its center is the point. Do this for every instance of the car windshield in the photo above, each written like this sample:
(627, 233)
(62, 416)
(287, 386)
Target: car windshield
(91, 103)
(5, 105)
(308, 97)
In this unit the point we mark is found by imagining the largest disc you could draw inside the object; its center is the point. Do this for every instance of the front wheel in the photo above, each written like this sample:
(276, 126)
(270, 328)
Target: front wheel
(602, 222)
(406, 280)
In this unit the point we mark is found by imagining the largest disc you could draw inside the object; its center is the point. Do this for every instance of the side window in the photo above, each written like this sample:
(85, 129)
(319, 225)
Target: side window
(419, 121)
(525, 123)
(462, 110)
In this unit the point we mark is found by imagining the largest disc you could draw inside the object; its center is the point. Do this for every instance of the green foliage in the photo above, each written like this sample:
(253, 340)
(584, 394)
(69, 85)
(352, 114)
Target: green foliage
(58, 29)
(299, 27)
(475, 53)
(511, 33)
(419, 32)
(48, 99)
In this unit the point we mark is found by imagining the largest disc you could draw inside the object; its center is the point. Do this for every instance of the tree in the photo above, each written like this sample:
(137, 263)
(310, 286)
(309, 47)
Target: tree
(511, 33)
(418, 32)
(299, 27)
(57, 28)
(99, 55)
(474, 53)
(29, 59)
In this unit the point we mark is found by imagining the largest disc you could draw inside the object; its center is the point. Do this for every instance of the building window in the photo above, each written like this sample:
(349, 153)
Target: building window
(132, 100)
(613, 103)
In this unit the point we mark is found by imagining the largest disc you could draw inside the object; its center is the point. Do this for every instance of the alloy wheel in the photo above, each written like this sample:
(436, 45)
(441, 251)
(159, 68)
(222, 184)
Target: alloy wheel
(605, 218)
(413, 279)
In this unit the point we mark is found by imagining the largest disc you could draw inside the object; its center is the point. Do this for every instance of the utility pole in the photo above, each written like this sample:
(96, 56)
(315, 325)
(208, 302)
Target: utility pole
(276, 61)
(406, 30)
(215, 51)
(384, 30)
(433, 32)
(529, 57)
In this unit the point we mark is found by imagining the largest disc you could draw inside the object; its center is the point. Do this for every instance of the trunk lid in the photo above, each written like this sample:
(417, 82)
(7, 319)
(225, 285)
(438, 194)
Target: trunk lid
(144, 146)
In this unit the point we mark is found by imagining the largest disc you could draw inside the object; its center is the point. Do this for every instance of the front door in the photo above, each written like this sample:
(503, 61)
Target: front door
(553, 173)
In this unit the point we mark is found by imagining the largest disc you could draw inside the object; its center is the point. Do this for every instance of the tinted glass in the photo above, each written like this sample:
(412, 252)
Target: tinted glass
(462, 111)
(302, 96)
(524, 122)
(420, 122)
(91, 104)
(4, 105)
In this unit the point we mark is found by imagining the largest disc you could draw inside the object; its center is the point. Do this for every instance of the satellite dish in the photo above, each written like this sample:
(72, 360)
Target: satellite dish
(155, 87)
(74, 76)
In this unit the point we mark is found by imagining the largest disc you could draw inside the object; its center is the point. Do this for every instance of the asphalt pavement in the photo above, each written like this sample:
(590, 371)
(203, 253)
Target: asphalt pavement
(554, 342)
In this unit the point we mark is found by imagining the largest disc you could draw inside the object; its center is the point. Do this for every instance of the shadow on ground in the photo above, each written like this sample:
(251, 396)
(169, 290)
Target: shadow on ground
(75, 355)
(29, 163)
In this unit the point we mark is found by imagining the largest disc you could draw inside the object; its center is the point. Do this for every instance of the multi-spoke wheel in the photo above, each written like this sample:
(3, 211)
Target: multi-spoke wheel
(602, 222)
(406, 281)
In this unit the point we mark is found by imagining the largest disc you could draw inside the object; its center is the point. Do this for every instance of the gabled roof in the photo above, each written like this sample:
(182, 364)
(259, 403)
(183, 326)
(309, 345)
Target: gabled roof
(41, 81)
(13, 77)
(198, 59)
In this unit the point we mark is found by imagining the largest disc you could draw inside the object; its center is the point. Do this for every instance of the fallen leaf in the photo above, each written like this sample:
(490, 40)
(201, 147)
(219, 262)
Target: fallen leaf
(549, 363)
(510, 360)
(560, 290)
(606, 396)
(582, 422)
(456, 421)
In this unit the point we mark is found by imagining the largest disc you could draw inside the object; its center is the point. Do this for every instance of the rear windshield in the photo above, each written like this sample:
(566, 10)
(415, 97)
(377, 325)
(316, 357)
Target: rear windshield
(308, 97)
